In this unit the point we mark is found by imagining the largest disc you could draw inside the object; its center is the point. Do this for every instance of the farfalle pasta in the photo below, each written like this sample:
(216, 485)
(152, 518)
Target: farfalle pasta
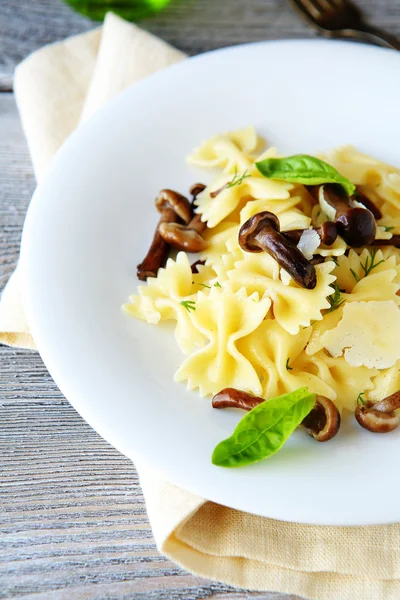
(247, 319)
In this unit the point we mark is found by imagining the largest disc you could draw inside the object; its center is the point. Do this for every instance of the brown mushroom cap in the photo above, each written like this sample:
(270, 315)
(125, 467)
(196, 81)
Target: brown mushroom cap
(261, 233)
(182, 237)
(328, 233)
(323, 422)
(169, 199)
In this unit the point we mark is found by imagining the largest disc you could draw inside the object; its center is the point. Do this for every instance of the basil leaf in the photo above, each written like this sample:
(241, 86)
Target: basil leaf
(305, 169)
(264, 429)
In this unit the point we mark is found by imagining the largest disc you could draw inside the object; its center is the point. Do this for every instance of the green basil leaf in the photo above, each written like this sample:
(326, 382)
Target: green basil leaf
(305, 169)
(264, 429)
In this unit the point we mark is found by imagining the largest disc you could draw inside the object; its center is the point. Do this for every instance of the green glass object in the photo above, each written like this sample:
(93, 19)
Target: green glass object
(131, 10)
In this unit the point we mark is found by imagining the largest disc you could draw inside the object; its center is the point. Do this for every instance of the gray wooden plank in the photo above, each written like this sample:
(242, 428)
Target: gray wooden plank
(73, 523)
(193, 26)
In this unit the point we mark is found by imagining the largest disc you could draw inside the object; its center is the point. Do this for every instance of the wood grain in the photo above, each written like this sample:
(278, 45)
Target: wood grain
(73, 523)
(192, 25)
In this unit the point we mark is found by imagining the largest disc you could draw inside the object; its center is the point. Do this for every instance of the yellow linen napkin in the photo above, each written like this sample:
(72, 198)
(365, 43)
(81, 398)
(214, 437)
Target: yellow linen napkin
(56, 88)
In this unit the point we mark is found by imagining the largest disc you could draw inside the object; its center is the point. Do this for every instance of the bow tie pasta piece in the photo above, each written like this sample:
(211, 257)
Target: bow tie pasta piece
(162, 297)
(274, 354)
(205, 278)
(289, 216)
(367, 335)
(343, 382)
(293, 306)
(215, 209)
(365, 170)
(254, 207)
(222, 248)
(386, 383)
(390, 216)
(338, 248)
(223, 317)
(351, 272)
(232, 151)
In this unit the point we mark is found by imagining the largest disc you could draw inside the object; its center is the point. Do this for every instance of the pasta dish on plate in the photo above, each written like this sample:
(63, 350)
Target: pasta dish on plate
(290, 308)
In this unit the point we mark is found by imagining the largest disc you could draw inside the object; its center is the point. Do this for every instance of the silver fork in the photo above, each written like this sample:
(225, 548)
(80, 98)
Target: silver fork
(341, 19)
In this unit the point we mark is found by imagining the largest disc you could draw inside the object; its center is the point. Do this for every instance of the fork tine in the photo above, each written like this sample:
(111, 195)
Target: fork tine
(323, 6)
(311, 8)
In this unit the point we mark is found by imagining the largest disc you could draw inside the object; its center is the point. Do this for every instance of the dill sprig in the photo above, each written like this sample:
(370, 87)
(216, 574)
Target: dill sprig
(205, 285)
(335, 299)
(288, 368)
(189, 305)
(238, 179)
(387, 227)
(369, 264)
(360, 399)
(217, 284)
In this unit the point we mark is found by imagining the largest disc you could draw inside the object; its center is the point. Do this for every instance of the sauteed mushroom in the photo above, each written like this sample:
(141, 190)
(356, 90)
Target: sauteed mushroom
(354, 224)
(233, 398)
(261, 233)
(322, 423)
(185, 237)
(173, 208)
(381, 416)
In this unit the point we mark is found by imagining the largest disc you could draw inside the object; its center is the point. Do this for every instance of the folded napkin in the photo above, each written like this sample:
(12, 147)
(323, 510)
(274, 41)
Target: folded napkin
(56, 88)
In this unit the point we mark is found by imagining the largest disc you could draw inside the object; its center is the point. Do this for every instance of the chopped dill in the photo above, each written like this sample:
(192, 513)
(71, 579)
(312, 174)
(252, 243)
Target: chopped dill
(189, 305)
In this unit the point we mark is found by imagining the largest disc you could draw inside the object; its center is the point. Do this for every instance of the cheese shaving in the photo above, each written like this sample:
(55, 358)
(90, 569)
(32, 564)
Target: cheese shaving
(367, 335)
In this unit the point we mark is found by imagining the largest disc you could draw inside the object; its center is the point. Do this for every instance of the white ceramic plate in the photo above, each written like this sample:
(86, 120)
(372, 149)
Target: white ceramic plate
(92, 220)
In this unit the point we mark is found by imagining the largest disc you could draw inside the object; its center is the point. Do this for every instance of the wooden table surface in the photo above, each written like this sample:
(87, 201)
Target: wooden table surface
(72, 516)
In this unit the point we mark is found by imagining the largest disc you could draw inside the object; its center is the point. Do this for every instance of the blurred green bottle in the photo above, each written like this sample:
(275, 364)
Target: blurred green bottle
(131, 10)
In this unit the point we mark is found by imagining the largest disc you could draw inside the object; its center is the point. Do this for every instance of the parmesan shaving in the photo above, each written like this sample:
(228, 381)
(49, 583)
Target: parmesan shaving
(367, 335)
(308, 243)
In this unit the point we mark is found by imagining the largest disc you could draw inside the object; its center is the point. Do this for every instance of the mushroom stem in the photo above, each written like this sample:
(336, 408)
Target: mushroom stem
(394, 241)
(380, 417)
(158, 251)
(261, 232)
(354, 224)
(389, 404)
(232, 398)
